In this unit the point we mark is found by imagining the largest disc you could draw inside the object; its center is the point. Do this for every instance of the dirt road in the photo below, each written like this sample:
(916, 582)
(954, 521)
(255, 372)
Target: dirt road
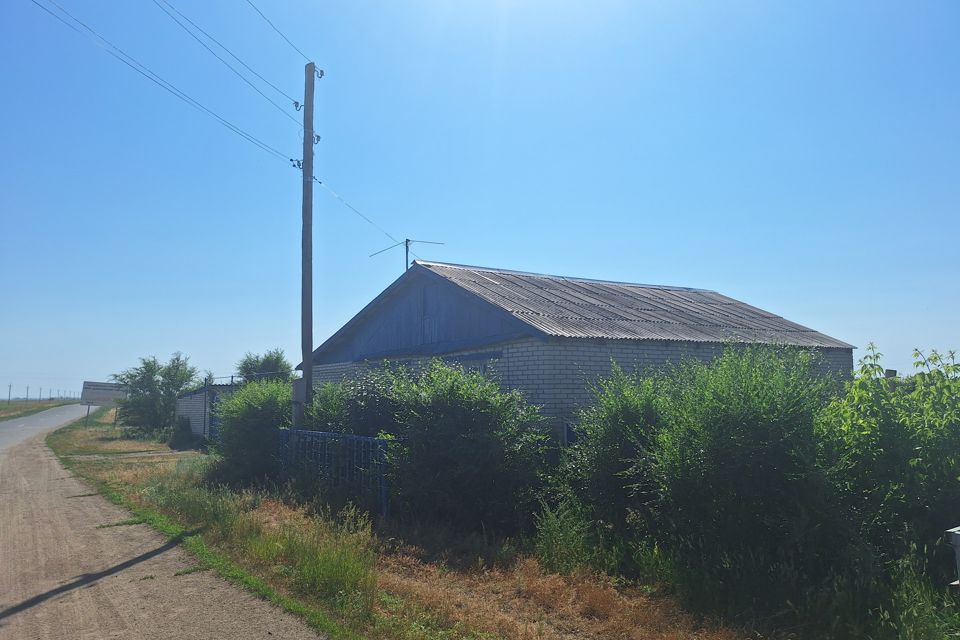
(62, 577)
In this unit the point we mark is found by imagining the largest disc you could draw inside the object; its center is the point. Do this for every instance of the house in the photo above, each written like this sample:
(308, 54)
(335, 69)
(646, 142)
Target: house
(198, 408)
(552, 336)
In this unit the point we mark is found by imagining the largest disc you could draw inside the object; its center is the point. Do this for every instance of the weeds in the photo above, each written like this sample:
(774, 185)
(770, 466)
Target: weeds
(563, 537)
(917, 610)
(330, 556)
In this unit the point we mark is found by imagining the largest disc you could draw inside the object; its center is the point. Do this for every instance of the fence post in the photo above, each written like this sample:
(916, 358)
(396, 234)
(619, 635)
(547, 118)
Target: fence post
(382, 484)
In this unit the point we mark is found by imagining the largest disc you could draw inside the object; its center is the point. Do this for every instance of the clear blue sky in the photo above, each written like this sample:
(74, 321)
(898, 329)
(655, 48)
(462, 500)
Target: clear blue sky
(802, 157)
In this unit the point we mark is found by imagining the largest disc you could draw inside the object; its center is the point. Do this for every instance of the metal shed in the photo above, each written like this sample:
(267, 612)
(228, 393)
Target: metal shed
(198, 407)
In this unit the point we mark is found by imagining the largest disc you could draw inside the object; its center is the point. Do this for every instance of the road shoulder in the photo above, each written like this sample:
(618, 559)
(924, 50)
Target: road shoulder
(65, 573)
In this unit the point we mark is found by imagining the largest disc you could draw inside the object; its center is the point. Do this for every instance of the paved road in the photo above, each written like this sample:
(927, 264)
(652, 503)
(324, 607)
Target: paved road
(18, 429)
(62, 577)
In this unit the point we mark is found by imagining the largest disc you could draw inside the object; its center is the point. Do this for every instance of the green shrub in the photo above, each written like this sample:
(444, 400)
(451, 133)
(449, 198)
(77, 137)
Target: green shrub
(612, 435)
(466, 453)
(734, 482)
(328, 411)
(753, 489)
(364, 405)
(250, 419)
(893, 447)
(709, 473)
(462, 452)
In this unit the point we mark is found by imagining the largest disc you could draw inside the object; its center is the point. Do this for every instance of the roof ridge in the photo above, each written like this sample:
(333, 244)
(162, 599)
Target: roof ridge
(429, 263)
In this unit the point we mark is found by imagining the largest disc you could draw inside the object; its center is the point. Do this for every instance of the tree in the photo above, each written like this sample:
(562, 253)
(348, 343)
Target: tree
(152, 390)
(272, 365)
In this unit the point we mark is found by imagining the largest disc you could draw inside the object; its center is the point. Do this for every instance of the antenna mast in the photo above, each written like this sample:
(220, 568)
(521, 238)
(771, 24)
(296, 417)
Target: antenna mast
(406, 247)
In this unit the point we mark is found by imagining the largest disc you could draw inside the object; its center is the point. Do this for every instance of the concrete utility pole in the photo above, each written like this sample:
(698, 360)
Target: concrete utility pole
(9, 391)
(28, 393)
(306, 275)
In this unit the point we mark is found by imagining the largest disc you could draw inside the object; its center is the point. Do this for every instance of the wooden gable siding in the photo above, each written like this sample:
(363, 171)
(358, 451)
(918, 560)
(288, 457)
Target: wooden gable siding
(426, 316)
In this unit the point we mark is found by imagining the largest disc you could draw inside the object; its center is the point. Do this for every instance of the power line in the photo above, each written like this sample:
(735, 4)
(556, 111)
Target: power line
(233, 55)
(218, 57)
(278, 31)
(146, 72)
(360, 213)
(355, 210)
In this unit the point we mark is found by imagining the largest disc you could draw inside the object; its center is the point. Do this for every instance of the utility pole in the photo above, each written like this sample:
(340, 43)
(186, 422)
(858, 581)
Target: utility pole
(306, 268)
(28, 393)
(9, 391)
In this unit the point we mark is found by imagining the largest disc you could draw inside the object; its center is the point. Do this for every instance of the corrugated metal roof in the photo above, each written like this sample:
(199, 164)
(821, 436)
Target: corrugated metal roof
(580, 308)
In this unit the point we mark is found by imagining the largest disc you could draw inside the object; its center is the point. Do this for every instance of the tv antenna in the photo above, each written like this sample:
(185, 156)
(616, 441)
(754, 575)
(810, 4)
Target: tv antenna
(406, 245)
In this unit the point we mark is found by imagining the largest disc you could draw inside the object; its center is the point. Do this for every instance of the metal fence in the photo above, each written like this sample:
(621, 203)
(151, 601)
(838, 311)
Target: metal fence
(356, 465)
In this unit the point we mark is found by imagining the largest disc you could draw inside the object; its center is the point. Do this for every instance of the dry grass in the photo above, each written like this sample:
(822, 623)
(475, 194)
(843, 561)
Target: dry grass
(524, 603)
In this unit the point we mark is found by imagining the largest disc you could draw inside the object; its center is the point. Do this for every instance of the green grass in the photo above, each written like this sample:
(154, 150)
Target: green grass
(21, 408)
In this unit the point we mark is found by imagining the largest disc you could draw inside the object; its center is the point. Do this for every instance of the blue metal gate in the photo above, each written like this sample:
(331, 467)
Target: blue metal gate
(355, 464)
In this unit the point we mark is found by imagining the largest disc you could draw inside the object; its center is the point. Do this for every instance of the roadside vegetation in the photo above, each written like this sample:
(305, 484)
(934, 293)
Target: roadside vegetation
(350, 576)
(21, 408)
(747, 497)
(774, 499)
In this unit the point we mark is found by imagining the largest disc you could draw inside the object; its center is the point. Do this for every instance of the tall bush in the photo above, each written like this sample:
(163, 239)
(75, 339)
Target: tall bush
(462, 452)
(612, 435)
(250, 419)
(710, 472)
(363, 405)
(736, 485)
(466, 453)
(893, 447)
